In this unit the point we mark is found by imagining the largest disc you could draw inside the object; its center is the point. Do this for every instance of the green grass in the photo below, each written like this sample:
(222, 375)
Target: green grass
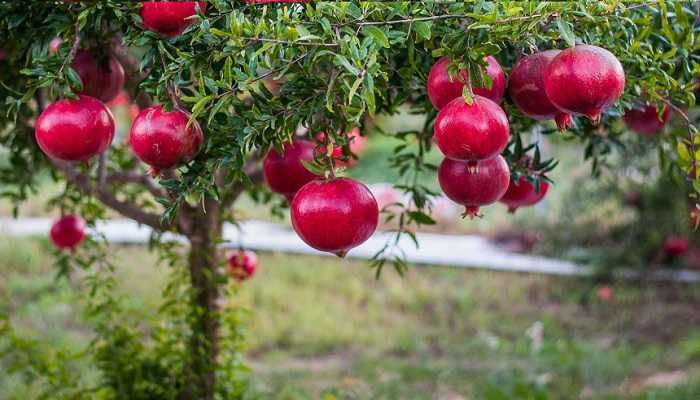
(325, 328)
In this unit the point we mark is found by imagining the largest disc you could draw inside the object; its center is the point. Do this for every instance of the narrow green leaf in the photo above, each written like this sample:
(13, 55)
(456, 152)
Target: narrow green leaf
(566, 32)
(377, 34)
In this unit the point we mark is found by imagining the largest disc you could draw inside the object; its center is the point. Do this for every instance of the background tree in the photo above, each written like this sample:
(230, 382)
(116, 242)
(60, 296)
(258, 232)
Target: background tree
(337, 64)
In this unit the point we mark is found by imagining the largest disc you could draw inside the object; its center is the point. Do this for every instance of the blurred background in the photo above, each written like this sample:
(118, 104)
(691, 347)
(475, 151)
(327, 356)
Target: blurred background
(321, 327)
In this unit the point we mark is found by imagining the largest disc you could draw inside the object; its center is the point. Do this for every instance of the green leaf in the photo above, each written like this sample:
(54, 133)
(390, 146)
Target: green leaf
(423, 29)
(421, 218)
(377, 34)
(566, 33)
(346, 64)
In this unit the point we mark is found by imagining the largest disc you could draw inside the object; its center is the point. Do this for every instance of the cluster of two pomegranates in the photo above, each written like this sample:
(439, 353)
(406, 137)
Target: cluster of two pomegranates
(552, 84)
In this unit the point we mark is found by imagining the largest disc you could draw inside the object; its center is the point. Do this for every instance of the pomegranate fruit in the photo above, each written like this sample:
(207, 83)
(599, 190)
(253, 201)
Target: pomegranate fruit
(75, 129)
(523, 193)
(55, 45)
(471, 132)
(169, 18)
(163, 140)
(646, 120)
(242, 264)
(102, 79)
(334, 215)
(526, 88)
(68, 231)
(474, 188)
(358, 144)
(285, 173)
(675, 246)
(584, 80)
(442, 88)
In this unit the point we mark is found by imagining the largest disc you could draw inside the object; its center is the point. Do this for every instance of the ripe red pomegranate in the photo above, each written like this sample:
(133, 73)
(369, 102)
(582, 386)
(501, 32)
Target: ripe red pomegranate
(474, 188)
(645, 120)
(675, 246)
(75, 130)
(523, 193)
(285, 174)
(526, 88)
(358, 144)
(334, 215)
(163, 140)
(584, 80)
(169, 18)
(68, 231)
(471, 132)
(442, 89)
(102, 79)
(242, 264)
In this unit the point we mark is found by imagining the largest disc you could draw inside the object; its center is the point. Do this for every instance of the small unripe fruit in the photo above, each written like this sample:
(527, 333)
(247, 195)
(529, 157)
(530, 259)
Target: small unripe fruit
(103, 79)
(584, 80)
(68, 231)
(242, 264)
(334, 215)
(526, 88)
(75, 129)
(471, 132)
(442, 88)
(169, 18)
(163, 139)
(285, 173)
(474, 187)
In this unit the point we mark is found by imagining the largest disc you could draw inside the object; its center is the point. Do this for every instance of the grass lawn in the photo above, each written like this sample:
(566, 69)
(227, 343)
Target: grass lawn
(325, 328)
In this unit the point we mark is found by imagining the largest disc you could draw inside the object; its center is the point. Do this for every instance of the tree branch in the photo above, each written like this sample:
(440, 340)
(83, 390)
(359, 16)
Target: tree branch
(137, 177)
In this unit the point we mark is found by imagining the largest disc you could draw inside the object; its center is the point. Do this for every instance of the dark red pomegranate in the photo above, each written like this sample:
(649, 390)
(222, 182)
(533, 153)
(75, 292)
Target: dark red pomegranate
(169, 18)
(242, 264)
(442, 89)
(68, 231)
(471, 132)
(526, 88)
(163, 140)
(334, 215)
(102, 79)
(584, 80)
(474, 187)
(523, 193)
(358, 144)
(285, 174)
(675, 246)
(645, 120)
(75, 130)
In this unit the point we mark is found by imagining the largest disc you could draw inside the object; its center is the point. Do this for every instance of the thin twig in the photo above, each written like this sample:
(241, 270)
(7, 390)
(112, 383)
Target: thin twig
(278, 41)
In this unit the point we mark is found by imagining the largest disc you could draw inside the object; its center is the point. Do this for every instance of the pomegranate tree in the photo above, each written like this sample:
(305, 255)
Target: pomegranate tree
(75, 129)
(471, 132)
(443, 88)
(526, 88)
(164, 139)
(68, 231)
(584, 80)
(474, 188)
(334, 215)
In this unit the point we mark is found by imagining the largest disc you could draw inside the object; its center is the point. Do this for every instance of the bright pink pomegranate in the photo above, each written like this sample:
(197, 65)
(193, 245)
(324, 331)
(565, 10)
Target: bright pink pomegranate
(584, 80)
(526, 88)
(358, 144)
(75, 130)
(334, 215)
(474, 187)
(675, 246)
(442, 88)
(169, 18)
(163, 140)
(645, 120)
(242, 264)
(102, 79)
(68, 231)
(471, 132)
(285, 174)
(523, 193)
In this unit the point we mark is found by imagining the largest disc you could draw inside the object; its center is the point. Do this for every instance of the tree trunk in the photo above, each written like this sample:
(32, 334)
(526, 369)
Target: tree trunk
(204, 234)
